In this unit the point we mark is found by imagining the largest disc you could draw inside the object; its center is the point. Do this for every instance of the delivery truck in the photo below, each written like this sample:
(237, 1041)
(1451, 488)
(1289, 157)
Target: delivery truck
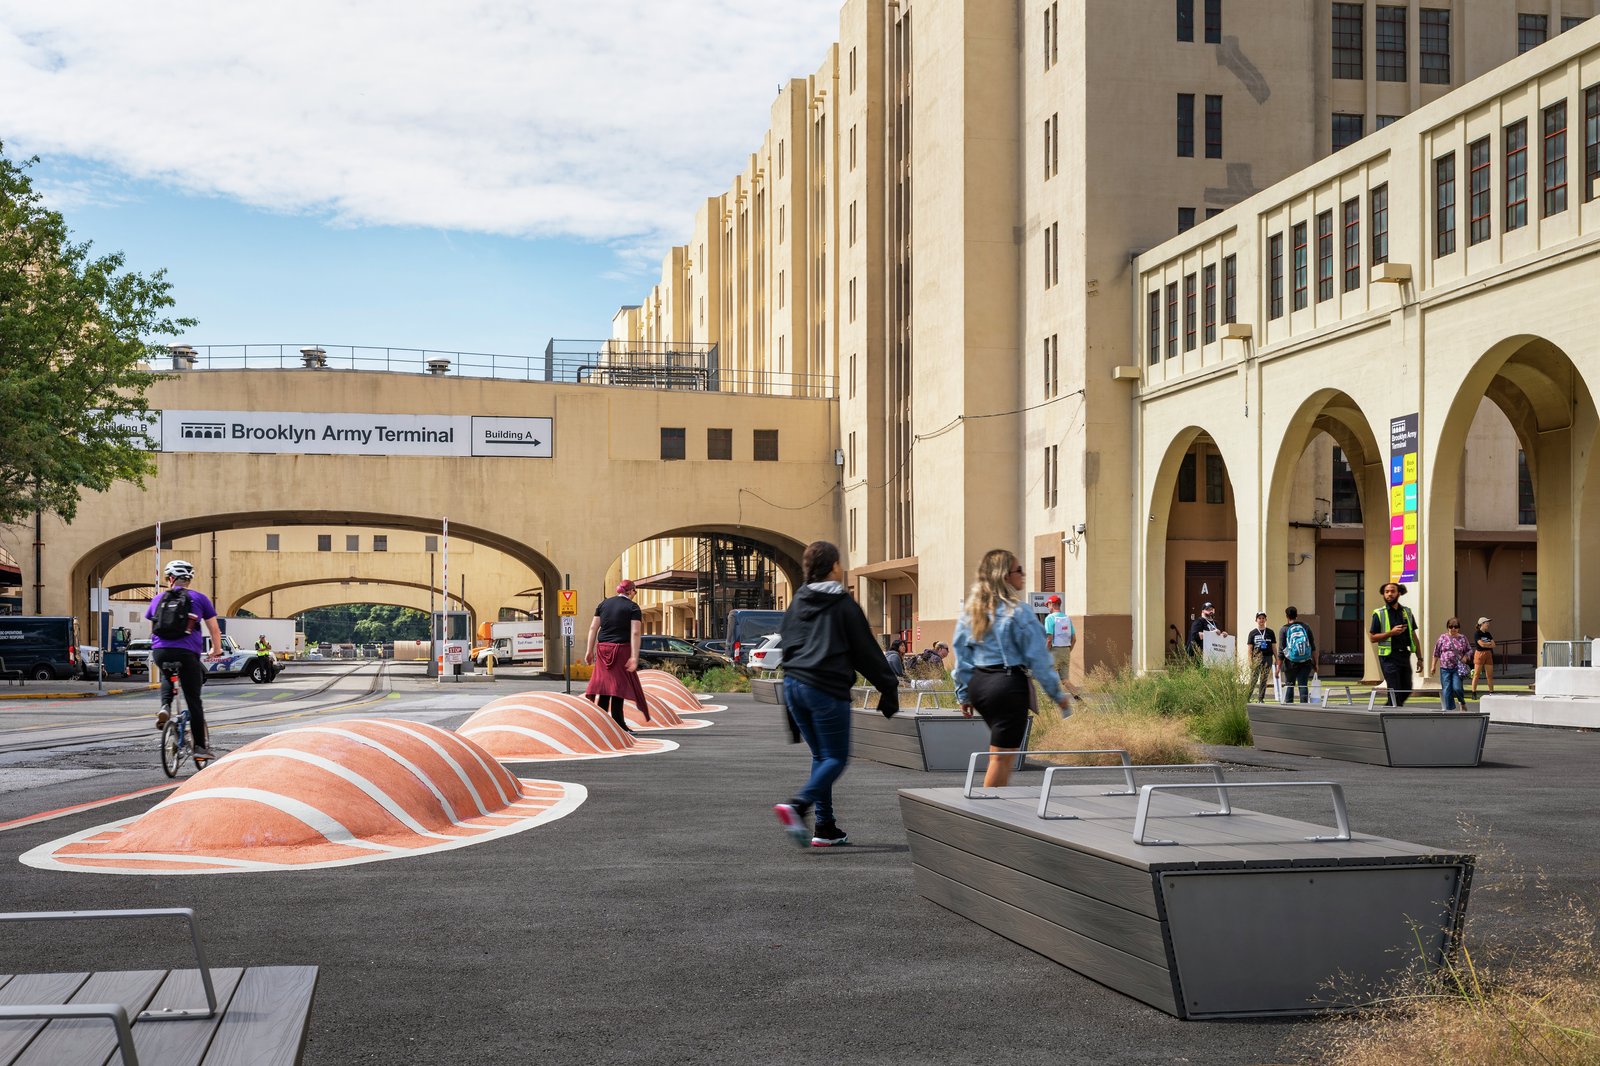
(280, 632)
(509, 642)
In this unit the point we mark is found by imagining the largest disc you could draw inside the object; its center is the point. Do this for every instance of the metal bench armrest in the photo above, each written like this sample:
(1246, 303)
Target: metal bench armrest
(1127, 776)
(972, 761)
(1341, 816)
(186, 913)
(112, 1011)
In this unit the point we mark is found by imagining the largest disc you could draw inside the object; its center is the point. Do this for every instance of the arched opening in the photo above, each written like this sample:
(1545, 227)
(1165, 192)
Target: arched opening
(1192, 546)
(267, 603)
(691, 578)
(1508, 515)
(1327, 529)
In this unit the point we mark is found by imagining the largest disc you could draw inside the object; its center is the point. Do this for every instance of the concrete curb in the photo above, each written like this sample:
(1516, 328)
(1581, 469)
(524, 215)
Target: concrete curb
(79, 695)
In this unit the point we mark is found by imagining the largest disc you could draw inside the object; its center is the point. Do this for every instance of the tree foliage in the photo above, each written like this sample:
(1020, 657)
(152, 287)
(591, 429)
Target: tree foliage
(74, 352)
(366, 623)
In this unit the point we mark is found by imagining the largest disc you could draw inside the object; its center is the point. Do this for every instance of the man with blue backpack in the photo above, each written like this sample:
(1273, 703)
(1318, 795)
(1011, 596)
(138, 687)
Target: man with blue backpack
(1297, 656)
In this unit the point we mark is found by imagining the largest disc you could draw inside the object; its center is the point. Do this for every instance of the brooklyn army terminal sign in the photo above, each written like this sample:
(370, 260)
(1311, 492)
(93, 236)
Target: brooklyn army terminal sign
(318, 433)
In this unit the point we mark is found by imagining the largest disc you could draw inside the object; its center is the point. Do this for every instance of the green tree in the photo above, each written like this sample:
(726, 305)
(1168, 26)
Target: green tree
(74, 350)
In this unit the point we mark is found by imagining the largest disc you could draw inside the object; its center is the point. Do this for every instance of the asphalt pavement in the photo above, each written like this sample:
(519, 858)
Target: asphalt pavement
(669, 920)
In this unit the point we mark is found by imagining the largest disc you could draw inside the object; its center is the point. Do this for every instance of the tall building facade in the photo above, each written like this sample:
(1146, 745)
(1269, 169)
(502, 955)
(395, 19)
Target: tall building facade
(939, 227)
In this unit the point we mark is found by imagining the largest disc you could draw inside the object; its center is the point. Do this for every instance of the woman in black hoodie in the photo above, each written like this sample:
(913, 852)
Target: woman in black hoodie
(826, 641)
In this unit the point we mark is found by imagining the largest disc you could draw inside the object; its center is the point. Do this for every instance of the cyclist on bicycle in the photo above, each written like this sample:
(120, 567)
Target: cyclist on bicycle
(176, 637)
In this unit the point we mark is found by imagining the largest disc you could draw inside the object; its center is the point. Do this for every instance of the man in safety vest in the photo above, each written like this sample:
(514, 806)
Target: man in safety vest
(1394, 633)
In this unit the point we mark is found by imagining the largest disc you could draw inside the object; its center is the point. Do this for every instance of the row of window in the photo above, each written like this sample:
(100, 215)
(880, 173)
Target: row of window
(352, 542)
(1349, 238)
(1213, 24)
(719, 444)
(1514, 154)
(1348, 128)
(1186, 217)
(1390, 51)
(1534, 30)
(1347, 500)
(1216, 479)
(1186, 126)
(1199, 323)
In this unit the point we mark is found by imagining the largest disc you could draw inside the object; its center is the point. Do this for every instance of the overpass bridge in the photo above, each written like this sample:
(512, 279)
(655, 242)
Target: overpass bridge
(561, 478)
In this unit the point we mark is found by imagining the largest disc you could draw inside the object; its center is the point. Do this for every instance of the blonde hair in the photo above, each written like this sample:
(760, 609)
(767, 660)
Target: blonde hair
(989, 590)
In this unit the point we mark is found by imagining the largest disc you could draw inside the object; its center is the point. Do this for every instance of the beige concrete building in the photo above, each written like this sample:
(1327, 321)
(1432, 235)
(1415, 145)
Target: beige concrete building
(977, 178)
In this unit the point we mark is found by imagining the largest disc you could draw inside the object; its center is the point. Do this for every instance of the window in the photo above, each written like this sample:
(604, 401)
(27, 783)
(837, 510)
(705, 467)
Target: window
(1186, 479)
(1046, 149)
(780, 285)
(272, 542)
(1214, 478)
(780, 161)
(1433, 31)
(1572, 22)
(352, 542)
(1530, 609)
(1379, 210)
(1532, 31)
(1479, 228)
(1047, 573)
(324, 542)
(1591, 142)
(1189, 313)
(1055, 144)
(1186, 20)
(852, 299)
(852, 223)
(1153, 324)
(1526, 514)
(1385, 121)
(1352, 244)
(1054, 367)
(1347, 34)
(1172, 320)
(1209, 321)
(1213, 21)
(852, 529)
(1347, 130)
(380, 542)
(1325, 256)
(852, 454)
(1346, 500)
(430, 544)
(1213, 212)
(1516, 175)
(1186, 125)
(1555, 159)
(1213, 127)
(852, 383)
(1444, 204)
(1230, 289)
(1052, 471)
(1301, 279)
(852, 70)
(1275, 273)
(1052, 39)
(852, 146)
(672, 442)
(766, 445)
(719, 444)
(1055, 253)
(1391, 27)
(1349, 596)
(1185, 219)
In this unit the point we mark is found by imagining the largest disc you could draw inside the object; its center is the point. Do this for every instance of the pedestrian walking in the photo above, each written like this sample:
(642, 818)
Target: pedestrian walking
(1483, 656)
(826, 641)
(997, 643)
(1062, 635)
(1297, 656)
(1452, 659)
(1263, 645)
(896, 657)
(613, 651)
(1393, 631)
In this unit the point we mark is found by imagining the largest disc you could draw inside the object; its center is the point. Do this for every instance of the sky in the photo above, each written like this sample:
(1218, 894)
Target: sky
(473, 177)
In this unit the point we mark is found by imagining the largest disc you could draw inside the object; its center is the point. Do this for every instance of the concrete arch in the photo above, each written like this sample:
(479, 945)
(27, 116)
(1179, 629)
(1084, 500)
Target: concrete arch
(1550, 404)
(1334, 412)
(237, 602)
(787, 550)
(1151, 637)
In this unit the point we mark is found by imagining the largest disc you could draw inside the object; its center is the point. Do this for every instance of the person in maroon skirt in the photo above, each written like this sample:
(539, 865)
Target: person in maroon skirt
(614, 652)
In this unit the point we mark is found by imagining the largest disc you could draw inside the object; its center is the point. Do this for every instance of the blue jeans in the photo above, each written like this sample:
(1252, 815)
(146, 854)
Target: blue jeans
(824, 722)
(1452, 685)
(1297, 675)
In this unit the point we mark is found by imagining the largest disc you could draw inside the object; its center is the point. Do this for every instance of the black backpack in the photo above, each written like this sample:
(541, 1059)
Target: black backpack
(171, 620)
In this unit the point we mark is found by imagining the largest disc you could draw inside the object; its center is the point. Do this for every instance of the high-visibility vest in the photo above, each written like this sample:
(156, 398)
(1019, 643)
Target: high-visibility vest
(1411, 626)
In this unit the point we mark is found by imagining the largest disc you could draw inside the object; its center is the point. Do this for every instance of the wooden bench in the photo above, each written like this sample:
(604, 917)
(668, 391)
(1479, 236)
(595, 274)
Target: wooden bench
(258, 1015)
(14, 676)
(1383, 737)
(1215, 913)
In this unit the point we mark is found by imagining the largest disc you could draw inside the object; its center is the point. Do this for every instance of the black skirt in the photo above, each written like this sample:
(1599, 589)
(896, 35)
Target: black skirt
(1001, 695)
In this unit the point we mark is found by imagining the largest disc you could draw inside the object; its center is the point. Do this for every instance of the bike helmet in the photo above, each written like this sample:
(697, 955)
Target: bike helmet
(179, 570)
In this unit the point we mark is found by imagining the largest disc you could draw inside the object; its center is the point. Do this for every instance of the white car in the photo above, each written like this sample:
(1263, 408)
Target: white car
(766, 655)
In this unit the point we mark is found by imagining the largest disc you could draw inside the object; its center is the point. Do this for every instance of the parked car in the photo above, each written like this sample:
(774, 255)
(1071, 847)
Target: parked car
(716, 647)
(747, 629)
(236, 662)
(766, 655)
(139, 656)
(44, 648)
(658, 652)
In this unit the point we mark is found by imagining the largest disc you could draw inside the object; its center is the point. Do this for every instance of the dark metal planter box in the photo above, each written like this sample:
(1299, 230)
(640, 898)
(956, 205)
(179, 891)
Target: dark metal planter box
(1237, 915)
(1382, 737)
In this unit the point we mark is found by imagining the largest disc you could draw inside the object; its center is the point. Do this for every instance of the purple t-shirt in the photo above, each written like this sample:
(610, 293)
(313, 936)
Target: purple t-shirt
(200, 609)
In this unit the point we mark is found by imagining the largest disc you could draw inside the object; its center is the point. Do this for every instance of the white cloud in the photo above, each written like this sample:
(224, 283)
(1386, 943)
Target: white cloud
(602, 119)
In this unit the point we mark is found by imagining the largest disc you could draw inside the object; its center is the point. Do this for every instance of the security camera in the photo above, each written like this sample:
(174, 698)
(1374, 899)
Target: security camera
(1079, 528)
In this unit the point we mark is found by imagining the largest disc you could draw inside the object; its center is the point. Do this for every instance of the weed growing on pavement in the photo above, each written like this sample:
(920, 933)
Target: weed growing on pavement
(1209, 701)
(717, 679)
(1525, 988)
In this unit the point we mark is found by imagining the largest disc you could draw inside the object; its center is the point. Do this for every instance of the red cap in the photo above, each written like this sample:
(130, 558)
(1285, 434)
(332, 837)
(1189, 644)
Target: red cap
(1053, 599)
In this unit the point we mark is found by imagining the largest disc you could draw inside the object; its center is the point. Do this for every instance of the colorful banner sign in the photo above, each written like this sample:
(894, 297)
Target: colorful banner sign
(1404, 464)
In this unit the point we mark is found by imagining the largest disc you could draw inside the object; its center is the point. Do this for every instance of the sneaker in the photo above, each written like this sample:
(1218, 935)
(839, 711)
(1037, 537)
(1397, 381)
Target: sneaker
(793, 819)
(163, 716)
(202, 753)
(828, 835)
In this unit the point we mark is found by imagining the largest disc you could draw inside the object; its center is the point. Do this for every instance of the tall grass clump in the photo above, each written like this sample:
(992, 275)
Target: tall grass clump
(1148, 739)
(717, 679)
(1210, 699)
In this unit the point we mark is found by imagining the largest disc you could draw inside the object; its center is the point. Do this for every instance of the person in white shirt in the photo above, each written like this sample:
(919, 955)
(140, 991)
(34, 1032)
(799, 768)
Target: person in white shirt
(1060, 635)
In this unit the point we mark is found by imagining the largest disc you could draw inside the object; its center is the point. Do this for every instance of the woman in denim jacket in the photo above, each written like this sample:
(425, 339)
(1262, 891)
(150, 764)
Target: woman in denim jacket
(998, 640)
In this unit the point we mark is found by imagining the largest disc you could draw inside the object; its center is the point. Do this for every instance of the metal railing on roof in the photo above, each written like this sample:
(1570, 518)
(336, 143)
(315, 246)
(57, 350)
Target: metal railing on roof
(630, 364)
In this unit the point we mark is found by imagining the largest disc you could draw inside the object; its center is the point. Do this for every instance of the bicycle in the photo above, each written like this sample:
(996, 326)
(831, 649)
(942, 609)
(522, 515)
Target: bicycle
(176, 736)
